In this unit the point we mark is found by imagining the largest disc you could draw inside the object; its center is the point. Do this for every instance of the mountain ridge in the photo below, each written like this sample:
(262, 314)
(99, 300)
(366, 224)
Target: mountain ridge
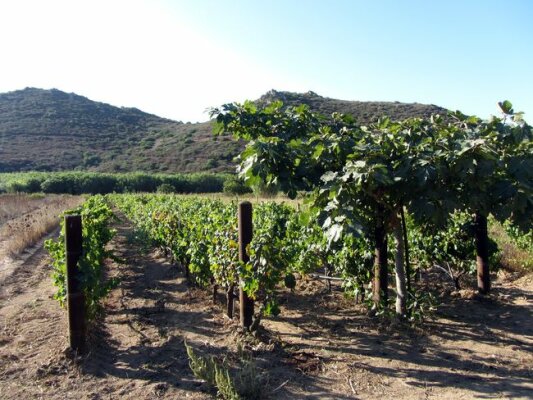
(363, 111)
(51, 130)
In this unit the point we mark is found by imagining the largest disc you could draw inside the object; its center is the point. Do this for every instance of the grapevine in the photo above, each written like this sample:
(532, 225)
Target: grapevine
(96, 216)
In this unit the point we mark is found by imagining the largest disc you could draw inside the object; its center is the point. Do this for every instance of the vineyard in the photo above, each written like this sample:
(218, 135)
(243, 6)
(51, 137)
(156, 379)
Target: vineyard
(311, 329)
(201, 236)
(400, 268)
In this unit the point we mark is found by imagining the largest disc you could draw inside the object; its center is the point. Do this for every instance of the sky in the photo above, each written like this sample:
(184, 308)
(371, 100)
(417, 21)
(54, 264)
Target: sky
(178, 58)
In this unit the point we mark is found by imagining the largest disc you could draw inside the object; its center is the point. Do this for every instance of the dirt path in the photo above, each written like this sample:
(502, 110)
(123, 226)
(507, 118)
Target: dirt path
(132, 354)
(320, 347)
(477, 348)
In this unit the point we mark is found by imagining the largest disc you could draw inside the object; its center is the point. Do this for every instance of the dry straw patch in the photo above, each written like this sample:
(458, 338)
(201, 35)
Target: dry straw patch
(14, 205)
(27, 220)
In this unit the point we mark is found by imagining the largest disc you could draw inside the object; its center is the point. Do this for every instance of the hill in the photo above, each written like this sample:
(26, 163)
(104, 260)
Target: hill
(50, 130)
(364, 111)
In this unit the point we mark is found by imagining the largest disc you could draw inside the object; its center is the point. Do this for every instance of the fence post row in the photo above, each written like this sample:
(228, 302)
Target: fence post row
(245, 237)
(75, 298)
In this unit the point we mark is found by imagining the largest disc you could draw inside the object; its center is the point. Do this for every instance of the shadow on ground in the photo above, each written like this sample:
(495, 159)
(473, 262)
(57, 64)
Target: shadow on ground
(440, 354)
(155, 310)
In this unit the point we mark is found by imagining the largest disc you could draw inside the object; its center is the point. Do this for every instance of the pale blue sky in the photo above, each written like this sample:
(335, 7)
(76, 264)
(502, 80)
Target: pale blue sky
(176, 58)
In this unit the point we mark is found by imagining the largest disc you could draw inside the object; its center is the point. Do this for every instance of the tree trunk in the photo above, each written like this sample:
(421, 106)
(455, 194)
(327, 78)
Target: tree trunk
(327, 273)
(215, 290)
(406, 249)
(482, 253)
(380, 264)
(229, 301)
(187, 272)
(360, 297)
(401, 293)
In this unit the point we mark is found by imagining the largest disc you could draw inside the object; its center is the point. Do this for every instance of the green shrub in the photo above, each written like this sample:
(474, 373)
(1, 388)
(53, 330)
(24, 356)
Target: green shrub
(15, 187)
(78, 182)
(165, 188)
(59, 184)
(451, 249)
(234, 186)
(524, 240)
(264, 190)
(245, 384)
(211, 163)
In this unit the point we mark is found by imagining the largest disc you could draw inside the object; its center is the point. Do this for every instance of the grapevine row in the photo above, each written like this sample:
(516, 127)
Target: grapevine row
(201, 235)
(96, 232)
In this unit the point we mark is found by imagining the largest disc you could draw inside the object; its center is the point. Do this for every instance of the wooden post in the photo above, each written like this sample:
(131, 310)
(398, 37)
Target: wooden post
(245, 237)
(482, 253)
(75, 298)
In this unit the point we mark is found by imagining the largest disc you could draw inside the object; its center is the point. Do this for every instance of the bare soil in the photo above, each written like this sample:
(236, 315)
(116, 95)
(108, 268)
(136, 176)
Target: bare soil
(322, 346)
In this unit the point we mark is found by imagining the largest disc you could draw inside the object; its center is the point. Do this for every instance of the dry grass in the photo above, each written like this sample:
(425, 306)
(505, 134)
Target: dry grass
(513, 259)
(27, 227)
(14, 205)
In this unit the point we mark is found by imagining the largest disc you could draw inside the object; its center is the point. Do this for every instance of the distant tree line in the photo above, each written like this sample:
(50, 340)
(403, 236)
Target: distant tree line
(102, 183)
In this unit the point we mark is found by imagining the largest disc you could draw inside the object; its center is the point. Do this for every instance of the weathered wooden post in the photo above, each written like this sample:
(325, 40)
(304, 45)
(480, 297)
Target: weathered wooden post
(75, 298)
(245, 237)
